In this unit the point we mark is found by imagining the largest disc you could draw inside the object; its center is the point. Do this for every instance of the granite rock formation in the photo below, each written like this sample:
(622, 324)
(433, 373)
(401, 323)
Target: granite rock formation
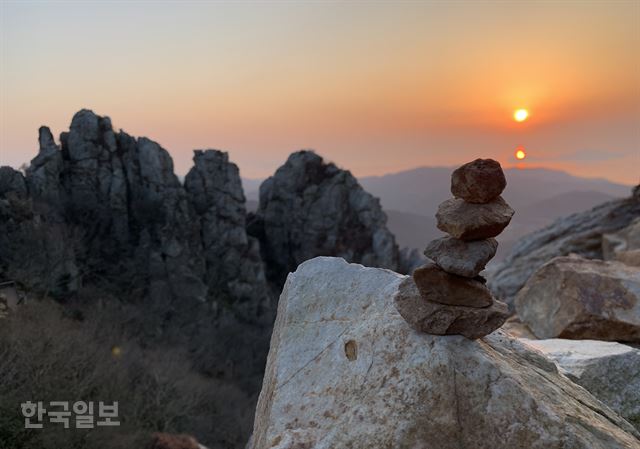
(122, 195)
(310, 208)
(12, 183)
(580, 233)
(234, 267)
(104, 207)
(345, 370)
(577, 298)
(35, 250)
(111, 206)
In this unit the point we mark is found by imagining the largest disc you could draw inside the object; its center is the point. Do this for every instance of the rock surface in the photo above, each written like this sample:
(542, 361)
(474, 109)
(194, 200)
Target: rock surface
(578, 298)
(435, 285)
(12, 182)
(479, 181)
(310, 208)
(516, 328)
(37, 251)
(345, 370)
(608, 370)
(125, 194)
(234, 267)
(468, 221)
(44, 173)
(623, 245)
(116, 201)
(459, 257)
(579, 233)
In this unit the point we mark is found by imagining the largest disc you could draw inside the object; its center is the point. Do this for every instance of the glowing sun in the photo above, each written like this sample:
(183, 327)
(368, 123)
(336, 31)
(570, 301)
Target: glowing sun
(520, 115)
(520, 154)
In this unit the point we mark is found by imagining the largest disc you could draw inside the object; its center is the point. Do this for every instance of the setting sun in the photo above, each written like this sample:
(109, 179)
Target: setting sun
(520, 154)
(520, 115)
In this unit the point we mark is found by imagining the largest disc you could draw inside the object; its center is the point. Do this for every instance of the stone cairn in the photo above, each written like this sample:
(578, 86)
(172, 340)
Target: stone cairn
(447, 294)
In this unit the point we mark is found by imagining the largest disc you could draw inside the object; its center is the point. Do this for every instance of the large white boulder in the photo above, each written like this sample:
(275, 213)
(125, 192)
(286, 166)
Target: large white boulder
(346, 371)
(609, 370)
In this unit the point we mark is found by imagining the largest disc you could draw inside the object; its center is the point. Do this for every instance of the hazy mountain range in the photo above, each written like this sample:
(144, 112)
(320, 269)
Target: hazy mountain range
(539, 196)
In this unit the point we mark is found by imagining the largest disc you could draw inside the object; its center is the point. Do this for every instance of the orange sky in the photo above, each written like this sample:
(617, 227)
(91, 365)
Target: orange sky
(375, 87)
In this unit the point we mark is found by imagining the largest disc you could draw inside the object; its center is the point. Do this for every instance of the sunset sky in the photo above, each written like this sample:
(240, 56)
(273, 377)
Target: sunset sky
(376, 87)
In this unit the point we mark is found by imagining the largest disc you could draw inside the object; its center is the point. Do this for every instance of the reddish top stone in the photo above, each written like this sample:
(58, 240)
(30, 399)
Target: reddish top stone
(479, 181)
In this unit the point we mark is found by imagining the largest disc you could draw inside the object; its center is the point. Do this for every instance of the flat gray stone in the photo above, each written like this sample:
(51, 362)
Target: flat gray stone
(460, 257)
(467, 221)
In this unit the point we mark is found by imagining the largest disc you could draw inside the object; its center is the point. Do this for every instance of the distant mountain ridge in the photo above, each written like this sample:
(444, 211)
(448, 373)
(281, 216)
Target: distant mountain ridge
(539, 196)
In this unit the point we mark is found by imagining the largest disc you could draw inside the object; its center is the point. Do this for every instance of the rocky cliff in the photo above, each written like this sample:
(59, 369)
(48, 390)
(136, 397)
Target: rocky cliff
(106, 209)
(233, 264)
(132, 219)
(311, 208)
(580, 233)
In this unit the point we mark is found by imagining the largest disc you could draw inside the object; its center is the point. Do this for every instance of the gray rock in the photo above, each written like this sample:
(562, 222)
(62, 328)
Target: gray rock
(459, 257)
(44, 174)
(12, 183)
(129, 213)
(467, 221)
(516, 328)
(233, 264)
(311, 208)
(578, 298)
(479, 181)
(436, 285)
(608, 370)
(346, 371)
(36, 251)
(440, 319)
(579, 233)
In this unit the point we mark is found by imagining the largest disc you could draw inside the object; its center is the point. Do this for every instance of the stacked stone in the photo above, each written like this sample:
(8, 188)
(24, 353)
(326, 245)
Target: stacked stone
(453, 297)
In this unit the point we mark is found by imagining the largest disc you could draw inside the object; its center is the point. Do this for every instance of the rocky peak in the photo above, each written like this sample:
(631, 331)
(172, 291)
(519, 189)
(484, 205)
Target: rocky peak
(12, 182)
(233, 264)
(45, 140)
(213, 173)
(123, 204)
(310, 208)
(43, 175)
(89, 134)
